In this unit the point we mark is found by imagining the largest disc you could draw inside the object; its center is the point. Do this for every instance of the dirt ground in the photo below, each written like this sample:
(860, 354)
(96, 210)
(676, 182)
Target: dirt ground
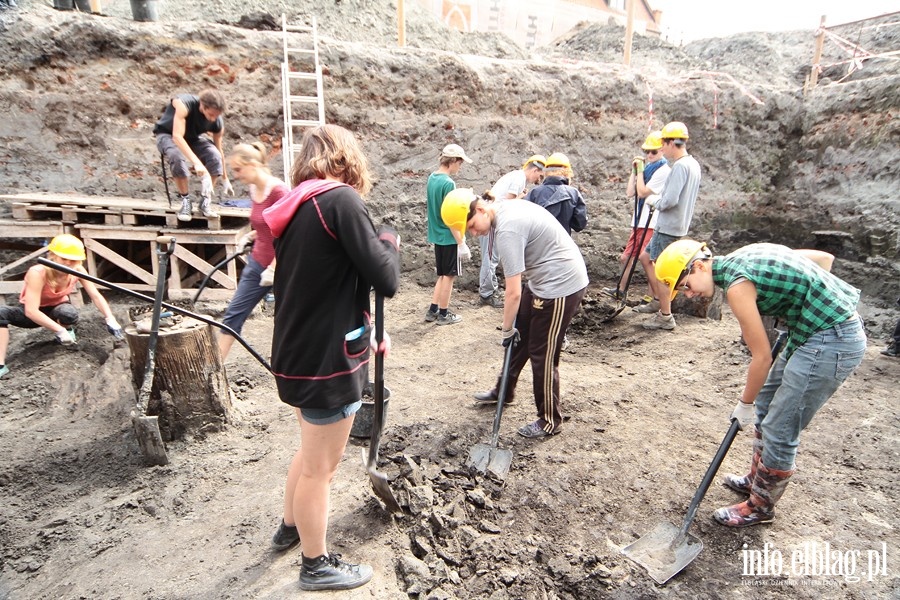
(82, 517)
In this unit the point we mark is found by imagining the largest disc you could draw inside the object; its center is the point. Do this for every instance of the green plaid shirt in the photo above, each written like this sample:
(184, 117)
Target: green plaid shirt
(789, 286)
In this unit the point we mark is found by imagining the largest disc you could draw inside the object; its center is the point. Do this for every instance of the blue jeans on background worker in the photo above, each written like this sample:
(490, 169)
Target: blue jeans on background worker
(246, 297)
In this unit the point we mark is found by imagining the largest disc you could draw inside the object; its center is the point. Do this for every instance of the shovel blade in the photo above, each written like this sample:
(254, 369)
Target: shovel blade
(381, 486)
(479, 457)
(664, 552)
(498, 465)
(146, 430)
(620, 306)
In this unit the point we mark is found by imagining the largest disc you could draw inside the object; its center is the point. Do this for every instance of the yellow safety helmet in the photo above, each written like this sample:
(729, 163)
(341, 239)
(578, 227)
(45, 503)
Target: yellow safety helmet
(455, 209)
(675, 261)
(538, 160)
(653, 141)
(558, 159)
(676, 130)
(67, 246)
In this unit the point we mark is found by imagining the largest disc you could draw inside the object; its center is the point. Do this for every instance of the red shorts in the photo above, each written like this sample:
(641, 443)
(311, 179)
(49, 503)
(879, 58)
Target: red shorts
(633, 240)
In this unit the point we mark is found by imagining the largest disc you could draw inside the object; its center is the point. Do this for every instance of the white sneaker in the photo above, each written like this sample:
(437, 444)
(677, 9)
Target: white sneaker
(660, 321)
(206, 209)
(648, 308)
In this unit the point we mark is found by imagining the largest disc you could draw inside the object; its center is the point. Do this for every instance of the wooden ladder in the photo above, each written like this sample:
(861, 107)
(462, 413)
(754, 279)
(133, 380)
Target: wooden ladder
(300, 73)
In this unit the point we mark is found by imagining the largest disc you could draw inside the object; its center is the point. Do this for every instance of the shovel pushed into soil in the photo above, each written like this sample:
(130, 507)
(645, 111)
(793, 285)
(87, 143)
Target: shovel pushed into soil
(488, 458)
(379, 480)
(633, 258)
(146, 428)
(668, 549)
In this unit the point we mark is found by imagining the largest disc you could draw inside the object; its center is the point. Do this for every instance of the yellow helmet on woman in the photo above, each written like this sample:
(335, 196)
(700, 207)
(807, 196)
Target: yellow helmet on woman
(675, 261)
(455, 209)
(558, 159)
(67, 246)
(653, 141)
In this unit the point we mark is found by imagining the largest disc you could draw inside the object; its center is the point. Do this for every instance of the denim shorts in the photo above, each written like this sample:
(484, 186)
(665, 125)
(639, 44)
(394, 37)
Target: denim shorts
(659, 242)
(327, 416)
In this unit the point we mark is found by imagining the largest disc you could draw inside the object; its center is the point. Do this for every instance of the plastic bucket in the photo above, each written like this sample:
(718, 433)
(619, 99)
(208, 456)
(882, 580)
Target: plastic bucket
(83, 5)
(365, 416)
(145, 10)
(64, 4)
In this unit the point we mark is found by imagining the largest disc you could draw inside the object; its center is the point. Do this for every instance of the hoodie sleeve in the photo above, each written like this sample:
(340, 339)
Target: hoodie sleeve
(579, 215)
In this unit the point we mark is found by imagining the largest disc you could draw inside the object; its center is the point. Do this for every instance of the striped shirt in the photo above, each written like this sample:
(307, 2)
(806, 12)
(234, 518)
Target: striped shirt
(789, 286)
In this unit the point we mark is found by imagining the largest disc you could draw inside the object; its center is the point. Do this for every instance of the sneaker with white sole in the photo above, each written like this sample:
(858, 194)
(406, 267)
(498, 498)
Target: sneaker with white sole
(649, 308)
(448, 319)
(4, 371)
(660, 321)
(186, 209)
(206, 209)
(329, 572)
(431, 316)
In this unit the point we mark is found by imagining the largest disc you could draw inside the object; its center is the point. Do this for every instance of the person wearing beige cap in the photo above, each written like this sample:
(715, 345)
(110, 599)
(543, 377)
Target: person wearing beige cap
(448, 248)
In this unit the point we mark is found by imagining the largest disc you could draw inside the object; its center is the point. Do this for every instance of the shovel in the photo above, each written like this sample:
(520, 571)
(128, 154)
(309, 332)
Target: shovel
(487, 458)
(379, 480)
(146, 428)
(668, 549)
(635, 253)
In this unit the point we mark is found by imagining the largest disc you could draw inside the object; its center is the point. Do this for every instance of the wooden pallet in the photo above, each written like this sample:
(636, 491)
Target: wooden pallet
(35, 236)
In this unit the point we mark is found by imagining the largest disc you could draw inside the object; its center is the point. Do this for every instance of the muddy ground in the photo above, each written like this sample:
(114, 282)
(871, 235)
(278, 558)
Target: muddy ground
(81, 517)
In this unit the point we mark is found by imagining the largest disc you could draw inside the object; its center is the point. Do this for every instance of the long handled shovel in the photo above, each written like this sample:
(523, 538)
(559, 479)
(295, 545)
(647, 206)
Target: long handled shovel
(668, 549)
(488, 458)
(175, 309)
(379, 480)
(146, 428)
(633, 259)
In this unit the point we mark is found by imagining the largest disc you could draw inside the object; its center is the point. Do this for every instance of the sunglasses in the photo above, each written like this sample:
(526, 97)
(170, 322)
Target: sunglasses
(651, 152)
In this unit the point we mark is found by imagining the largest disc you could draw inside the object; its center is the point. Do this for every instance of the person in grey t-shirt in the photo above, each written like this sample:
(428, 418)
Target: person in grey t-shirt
(531, 242)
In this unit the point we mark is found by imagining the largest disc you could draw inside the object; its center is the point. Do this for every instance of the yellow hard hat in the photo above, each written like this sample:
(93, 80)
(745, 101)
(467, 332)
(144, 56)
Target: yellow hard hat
(676, 130)
(673, 263)
(653, 141)
(558, 159)
(455, 209)
(538, 160)
(67, 246)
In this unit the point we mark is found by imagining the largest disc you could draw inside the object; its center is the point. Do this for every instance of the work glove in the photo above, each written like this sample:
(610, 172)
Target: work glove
(267, 279)
(651, 200)
(245, 241)
(65, 337)
(510, 336)
(463, 252)
(227, 188)
(389, 234)
(113, 327)
(384, 347)
(637, 165)
(744, 414)
(206, 186)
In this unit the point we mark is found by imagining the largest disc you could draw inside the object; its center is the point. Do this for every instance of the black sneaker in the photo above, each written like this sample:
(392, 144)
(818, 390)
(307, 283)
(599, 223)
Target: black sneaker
(891, 351)
(615, 293)
(285, 537)
(206, 209)
(489, 397)
(331, 573)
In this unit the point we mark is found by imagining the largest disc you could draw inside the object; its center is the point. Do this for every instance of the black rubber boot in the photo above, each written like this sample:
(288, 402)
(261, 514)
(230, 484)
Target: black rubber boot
(329, 572)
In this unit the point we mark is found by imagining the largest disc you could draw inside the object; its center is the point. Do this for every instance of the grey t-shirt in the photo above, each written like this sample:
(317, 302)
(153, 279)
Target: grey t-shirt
(530, 240)
(676, 201)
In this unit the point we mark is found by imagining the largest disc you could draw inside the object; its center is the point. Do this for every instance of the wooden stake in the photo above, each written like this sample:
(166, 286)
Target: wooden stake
(817, 56)
(401, 24)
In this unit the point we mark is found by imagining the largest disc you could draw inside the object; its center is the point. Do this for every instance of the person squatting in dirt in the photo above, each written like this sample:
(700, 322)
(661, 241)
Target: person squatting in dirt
(645, 180)
(448, 249)
(320, 347)
(675, 206)
(555, 194)
(529, 242)
(509, 187)
(826, 343)
(180, 137)
(44, 301)
(249, 165)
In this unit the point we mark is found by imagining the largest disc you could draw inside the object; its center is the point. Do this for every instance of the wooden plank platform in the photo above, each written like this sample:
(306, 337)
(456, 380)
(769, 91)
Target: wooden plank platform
(119, 235)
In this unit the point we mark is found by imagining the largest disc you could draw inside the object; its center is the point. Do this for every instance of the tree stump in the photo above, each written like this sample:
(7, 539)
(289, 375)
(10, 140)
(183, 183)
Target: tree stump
(705, 308)
(190, 389)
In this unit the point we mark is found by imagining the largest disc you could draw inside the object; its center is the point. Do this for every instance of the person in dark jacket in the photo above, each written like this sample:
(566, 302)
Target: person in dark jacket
(329, 258)
(556, 195)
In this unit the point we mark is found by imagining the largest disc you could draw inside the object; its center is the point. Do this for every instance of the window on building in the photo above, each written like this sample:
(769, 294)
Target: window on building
(616, 4)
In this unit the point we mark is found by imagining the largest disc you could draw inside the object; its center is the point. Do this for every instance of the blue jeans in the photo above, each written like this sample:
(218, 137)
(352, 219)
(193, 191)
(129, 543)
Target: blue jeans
(799, 386)
(487, 278)
(246, 297)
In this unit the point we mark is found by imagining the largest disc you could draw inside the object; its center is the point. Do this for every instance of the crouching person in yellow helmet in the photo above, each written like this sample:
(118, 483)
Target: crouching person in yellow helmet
(530, 242)
(826, 344)
(45, 298)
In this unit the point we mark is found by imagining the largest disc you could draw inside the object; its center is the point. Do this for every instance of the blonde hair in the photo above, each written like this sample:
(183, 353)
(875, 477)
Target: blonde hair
(250, 154)
(332, 151)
